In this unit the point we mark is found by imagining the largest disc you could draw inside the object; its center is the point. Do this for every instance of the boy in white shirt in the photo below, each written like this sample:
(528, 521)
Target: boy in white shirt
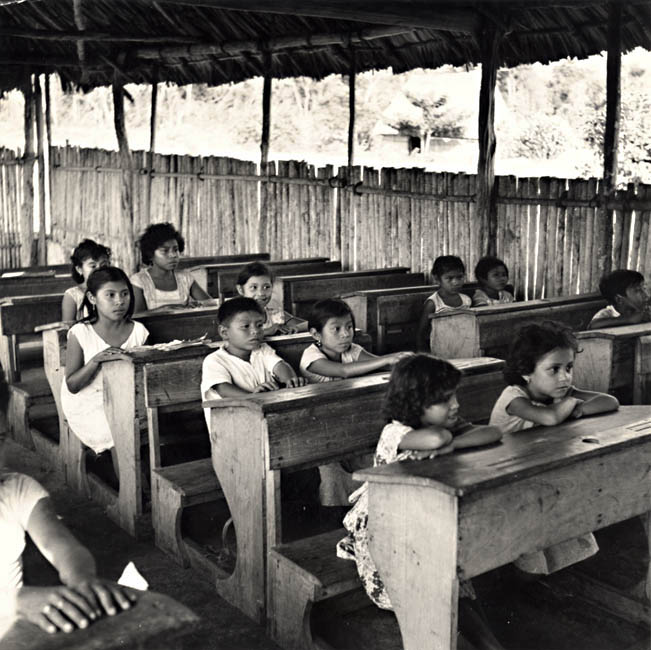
(245, 364)
(628, 300)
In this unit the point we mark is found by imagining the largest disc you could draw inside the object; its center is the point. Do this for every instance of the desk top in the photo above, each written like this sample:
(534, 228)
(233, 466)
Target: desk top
(619, 332)
(155, 616)
(521, 454)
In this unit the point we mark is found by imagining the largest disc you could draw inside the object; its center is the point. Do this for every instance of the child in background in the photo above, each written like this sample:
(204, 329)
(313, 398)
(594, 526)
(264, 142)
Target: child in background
(245, 364)
(539, 391)
(492, 275)
(450, 273)
(82, 597)
(421, 409)
(256, 281)
(87, 256)
(629, 303)
(335, 356)
(161, 285)
(104, 335)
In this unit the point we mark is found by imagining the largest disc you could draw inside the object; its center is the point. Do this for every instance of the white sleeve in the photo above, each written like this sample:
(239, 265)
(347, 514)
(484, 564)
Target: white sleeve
(310, 355)
(24, 494)
(269, 357)
(136, 280)
(140, 333)
(213, 372)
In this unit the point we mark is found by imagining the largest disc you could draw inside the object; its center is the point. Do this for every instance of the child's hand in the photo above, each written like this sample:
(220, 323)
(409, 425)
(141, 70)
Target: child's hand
(105, 596)
(295, 382)
(397, 356)
(109, 355)
(578, 410)
(266, 386)
(286, 329)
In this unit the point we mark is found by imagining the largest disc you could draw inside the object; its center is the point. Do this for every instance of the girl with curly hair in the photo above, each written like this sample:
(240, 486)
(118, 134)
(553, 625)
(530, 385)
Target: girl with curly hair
(422, 412)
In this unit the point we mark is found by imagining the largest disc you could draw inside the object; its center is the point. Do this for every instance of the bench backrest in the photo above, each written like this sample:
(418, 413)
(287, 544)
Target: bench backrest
(29, 285)
(489, 330)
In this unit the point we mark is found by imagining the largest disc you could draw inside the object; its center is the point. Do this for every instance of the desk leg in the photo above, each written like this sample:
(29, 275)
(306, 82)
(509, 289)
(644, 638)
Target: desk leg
(413, 540)
(646, 520)
(642, 371)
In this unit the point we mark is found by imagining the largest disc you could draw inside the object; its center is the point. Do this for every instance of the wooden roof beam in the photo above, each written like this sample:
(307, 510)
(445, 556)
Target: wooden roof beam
(88, 35)
(419, 14)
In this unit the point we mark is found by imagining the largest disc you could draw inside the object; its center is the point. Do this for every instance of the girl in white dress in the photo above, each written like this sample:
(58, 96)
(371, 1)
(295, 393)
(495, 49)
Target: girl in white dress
(105, 335)
(87, 256)
(493, 276)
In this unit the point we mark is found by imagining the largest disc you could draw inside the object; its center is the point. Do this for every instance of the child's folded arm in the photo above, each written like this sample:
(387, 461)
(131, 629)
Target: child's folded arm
(226, 390)
(544, 415)
(594, 402)
(426, 438)
(476, 435)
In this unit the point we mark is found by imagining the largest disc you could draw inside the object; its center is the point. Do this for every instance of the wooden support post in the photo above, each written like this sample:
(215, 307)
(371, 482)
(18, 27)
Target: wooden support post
(351, 109)
(489, 41)
(126, 194)
(27, 211)
(263, 244)
(40, 155)
(604, 226)
(152, 145)
(48, 135)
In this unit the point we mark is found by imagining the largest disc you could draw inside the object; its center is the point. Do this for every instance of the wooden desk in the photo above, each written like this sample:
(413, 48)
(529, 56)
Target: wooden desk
(434, 522)
(489, 330)
(616, 360)
(30, 285)
(155, 621)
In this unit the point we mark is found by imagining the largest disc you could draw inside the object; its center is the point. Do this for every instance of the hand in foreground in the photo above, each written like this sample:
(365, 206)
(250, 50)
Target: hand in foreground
(295, 382)
(397, 356)
(266, 386)
(577, 411)
(110, 354)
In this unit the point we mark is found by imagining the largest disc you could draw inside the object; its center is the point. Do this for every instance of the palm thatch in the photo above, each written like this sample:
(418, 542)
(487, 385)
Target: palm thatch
(91, 42)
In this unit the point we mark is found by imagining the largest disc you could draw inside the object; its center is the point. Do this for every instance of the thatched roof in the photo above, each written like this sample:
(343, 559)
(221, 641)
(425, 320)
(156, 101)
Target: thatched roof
(188, 41)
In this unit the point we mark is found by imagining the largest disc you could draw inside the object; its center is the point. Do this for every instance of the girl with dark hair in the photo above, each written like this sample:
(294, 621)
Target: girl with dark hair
(540, 392)
(161, 284)
(87, 256)
(422, 411)
(103, 336)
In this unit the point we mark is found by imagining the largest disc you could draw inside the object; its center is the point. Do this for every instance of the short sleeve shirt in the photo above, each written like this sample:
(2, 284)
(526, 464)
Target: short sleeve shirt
(155, 297)
(607, 312)
(480, 298)
(18, 496)
(313, 353)
(77, 295)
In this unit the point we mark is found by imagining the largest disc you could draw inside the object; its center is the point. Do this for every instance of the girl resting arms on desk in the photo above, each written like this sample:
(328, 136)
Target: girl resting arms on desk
(540, 392)
(422, 411)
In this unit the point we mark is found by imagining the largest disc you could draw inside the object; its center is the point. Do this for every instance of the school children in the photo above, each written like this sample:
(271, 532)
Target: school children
(492, 275)
(161, 284)
(423, 421)
(450, 273)
(245, 364)
(87, 256)
(256, 281)
(629, 302)
(539, 391)
(106, 334)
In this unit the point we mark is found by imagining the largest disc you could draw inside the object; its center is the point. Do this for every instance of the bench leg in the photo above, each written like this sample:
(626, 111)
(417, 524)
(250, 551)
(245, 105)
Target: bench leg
(289, 607)
(18, 416)
(166, 511)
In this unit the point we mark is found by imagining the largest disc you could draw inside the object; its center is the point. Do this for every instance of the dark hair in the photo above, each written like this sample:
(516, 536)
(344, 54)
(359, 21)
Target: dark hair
(617, 282)
(254, 270)
(326, 309)
(445, 263)
(86, 249)
(487, 264)
(532, 342)
(96, 280)
(155, 236)
(235, 306)
(416, 383)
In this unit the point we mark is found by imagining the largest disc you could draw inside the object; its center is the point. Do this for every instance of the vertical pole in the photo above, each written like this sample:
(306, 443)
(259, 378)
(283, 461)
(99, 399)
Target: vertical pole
(49, 166)
(611, 136)
(152, 145)
(126, 192)
(27, 212)
(351, 109)
(264, 151)
(40, 154)
(489, 42)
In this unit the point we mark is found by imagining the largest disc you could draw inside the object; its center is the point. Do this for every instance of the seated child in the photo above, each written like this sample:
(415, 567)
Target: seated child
(335, 356)
(161, 284)
(629, 301)
(256, 281)
(539, 391)
(449, 272)
(492, 275)
(87, 256)
(245, 364)
(82, 598)
(423, 421)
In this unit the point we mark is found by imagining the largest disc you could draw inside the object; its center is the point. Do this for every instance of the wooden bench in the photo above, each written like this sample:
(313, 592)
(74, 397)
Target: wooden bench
(155, 620)
(536, 489)
(295, 429)
(489, 330)
(298, 293)
(616, 360)
(220, 280)
(34, 285)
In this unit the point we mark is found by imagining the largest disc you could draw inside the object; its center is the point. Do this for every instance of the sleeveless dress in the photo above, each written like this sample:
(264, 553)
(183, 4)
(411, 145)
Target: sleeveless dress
(84, 410)
(440, 306)
(77, 294)
(155, 298)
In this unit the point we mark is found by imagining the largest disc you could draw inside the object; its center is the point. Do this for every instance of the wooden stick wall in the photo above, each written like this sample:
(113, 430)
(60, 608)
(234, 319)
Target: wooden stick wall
(545, 226)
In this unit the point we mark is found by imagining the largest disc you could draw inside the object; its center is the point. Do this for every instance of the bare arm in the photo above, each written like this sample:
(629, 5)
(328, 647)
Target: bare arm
(477, 435)
(286, 375)
(594, 402)
(369, 363)
(197, 293)
(545, 415)
(424, 327)
(139, 303)
(68, 309)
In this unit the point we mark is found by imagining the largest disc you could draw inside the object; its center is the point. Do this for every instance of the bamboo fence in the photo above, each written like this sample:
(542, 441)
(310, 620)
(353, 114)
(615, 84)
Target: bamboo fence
(11, 201)
(365, 217)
